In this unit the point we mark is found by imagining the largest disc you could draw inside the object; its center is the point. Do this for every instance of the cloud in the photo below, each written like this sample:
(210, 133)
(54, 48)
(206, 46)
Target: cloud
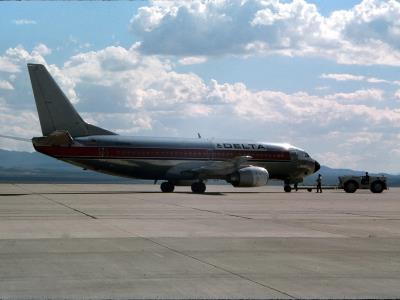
(369, 94)
(5, 85)
(15, 59)
(340, 160)
(24, 22)
(397, 94)
(366, 34)
(192, 60)
(123, 90)
(41, 49)
(352, 77)
(7, 65)
(20, 123)
(148, 84)
(342, 77)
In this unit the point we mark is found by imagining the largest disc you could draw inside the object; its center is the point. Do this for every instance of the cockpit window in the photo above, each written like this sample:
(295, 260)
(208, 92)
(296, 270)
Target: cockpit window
(306, 155)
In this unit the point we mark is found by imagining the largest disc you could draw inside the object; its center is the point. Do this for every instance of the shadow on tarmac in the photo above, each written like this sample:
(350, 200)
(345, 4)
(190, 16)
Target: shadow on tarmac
(134, 192)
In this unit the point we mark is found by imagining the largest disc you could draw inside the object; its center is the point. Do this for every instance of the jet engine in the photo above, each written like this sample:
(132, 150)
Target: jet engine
(249, 177)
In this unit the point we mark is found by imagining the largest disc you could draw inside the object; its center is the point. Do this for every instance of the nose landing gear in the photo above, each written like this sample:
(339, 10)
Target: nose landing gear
(287, 188)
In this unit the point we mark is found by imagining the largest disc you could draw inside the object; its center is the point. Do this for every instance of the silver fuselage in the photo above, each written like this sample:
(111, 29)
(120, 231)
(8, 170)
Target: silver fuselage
(168, 158)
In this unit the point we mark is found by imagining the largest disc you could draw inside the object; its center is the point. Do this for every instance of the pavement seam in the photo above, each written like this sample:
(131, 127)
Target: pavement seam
(218, 267)
(59, 203)
(206, 263)
(210, 211)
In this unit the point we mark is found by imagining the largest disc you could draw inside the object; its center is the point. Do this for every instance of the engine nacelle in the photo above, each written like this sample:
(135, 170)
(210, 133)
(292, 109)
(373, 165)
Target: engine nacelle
(249, 177)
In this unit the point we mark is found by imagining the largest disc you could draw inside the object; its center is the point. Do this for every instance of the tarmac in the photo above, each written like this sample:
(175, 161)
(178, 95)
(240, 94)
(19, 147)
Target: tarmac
(132, 241)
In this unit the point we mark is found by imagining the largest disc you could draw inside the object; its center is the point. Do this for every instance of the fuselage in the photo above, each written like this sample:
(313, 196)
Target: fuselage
(165, 158)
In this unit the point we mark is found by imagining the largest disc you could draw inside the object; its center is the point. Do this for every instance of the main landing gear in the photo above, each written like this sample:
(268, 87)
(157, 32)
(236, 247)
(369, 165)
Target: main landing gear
(198, 187)
(167, 187)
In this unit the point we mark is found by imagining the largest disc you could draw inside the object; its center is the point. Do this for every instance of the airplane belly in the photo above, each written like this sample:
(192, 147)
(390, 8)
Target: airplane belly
(134, 168)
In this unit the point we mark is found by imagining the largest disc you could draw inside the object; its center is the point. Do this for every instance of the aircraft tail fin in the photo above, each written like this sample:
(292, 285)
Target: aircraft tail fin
(55, 110)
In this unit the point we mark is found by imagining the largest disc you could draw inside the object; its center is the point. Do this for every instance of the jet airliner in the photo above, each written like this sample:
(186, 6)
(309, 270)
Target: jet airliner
(174, 161)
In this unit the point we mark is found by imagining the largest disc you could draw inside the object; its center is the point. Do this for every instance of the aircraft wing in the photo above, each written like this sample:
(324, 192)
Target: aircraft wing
(222, 167)
(212, 168)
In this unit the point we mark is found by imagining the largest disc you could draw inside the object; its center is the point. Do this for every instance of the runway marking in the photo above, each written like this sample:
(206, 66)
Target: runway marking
(59, 203)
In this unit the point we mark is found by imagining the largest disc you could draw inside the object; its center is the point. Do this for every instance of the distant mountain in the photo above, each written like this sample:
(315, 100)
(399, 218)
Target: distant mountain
(18, 166)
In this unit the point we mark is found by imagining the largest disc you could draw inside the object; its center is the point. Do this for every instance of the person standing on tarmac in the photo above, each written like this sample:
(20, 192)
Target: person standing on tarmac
(319, 183)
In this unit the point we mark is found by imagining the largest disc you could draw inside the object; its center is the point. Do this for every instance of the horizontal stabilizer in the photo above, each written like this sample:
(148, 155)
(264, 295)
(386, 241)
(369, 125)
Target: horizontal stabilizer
(15, 138)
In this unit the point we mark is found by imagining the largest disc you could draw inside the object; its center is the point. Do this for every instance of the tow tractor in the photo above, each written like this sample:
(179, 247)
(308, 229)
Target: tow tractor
(350, 184)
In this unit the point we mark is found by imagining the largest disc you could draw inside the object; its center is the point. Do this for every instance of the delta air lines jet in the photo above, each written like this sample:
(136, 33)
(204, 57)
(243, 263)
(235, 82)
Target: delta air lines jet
(174, 161)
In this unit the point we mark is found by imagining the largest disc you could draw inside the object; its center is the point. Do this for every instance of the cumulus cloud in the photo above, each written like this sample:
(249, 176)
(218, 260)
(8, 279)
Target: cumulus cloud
(366, 34)
(41, 49)
(359, 95)
(123, 90)
(15, 59)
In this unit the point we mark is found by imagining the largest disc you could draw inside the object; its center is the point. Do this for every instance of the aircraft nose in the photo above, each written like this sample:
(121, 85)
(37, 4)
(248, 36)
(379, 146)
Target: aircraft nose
(317, 166)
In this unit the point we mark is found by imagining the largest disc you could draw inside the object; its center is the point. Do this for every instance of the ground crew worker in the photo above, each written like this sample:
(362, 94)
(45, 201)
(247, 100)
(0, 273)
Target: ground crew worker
(319, 183)
(366, 178)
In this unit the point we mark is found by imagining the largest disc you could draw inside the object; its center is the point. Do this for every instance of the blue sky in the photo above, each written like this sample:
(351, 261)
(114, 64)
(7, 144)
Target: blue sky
(323, 75)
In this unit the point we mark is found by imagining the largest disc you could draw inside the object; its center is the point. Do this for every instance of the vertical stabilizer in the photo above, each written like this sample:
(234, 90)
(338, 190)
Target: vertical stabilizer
(55, 110)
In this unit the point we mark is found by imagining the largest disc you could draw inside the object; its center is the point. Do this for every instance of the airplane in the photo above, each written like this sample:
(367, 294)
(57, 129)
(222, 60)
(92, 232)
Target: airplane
(174, 161)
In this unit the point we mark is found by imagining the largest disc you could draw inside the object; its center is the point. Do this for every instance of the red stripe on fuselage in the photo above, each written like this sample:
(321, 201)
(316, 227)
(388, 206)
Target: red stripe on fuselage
(149, 153)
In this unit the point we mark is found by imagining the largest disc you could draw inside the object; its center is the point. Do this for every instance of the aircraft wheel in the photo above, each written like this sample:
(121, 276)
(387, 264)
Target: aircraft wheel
(287, 188)
(198, 187)
(167, 187)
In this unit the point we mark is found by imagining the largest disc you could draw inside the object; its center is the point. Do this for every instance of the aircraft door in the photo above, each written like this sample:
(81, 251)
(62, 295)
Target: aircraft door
(294, 155)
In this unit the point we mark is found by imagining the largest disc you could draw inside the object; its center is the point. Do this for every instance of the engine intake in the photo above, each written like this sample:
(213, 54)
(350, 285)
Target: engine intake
(249, 177)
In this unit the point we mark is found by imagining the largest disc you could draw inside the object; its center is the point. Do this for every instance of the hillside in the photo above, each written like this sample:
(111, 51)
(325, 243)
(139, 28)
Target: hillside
(35, 167)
